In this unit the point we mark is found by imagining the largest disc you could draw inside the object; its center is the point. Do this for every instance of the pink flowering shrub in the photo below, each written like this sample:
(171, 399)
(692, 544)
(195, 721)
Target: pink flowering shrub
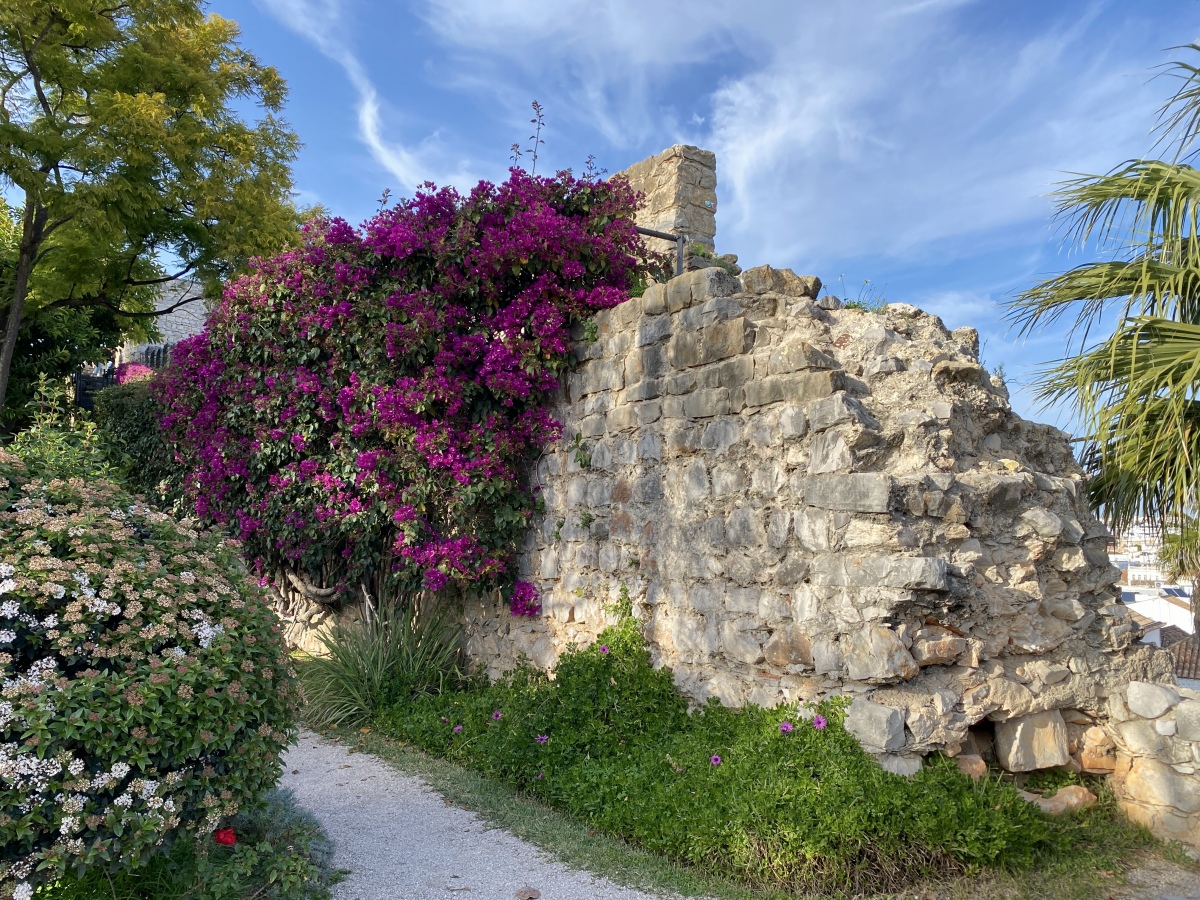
(144, 687)
(132, 371)
(369, 402)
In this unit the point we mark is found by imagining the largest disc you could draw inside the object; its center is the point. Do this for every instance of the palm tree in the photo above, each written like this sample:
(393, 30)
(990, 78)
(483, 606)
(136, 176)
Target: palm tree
(1179, 557)
(1134, 392)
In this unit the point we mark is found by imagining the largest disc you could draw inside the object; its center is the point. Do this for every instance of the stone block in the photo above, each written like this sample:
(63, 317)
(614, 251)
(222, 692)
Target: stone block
(877, 727)
(779, 525)
(875, 654)
(707, 403)
(1065, 800)
(654, 300)
(788, 646)
(601, 376)
(1035, 741)
(812, 528)
(971, 765)
(1187, 720)
(738, 641)
(839, 409)
(622, 418)
(652, 330)
(720, 435)
(936, 646)
(904, 572)
(798, 387)
(1153, 782)
(792, 422)
(744, 528)
(794, 355)
(1149, 700)
(1042, 522)
(861, 492)
(706, 345)
(829, 454)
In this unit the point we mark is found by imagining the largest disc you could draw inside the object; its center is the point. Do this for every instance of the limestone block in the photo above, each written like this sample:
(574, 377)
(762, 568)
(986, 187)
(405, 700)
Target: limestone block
(1065, 800)
(1187, 720)
(650, 331)
(860, 492)
(744, 528)
(877, 727)
(706, 345)
(788, 646)
(798, 387)
(739, 642)
(829, 454)
(792, 422)
(795, 354)
(654, 300)
(904, 764)
(1036, 741)
(778, 527)
(1042, 522)
(1150, 781)
(1139, 737)
(875, 654)
(812, 527)
(827, 656)
(720, 435)
(1149, 700)
(936, 646)
(838, 410)
(912, 573)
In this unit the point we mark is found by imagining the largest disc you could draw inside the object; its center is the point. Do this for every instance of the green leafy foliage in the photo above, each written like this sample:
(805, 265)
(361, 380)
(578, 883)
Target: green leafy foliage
(281, 854)
(60, 442)
(147, 692)
(610, 740)
(123, 132)
(400, 650)
(128, 416)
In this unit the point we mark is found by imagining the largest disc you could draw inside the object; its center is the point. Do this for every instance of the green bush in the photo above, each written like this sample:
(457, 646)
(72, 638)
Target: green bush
(146, 690)
(60, 441)
(609, 739)
(129, 417)
(401, 650)
(281, 854)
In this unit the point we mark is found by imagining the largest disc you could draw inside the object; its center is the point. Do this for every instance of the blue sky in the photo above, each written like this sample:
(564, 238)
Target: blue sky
(908, 142)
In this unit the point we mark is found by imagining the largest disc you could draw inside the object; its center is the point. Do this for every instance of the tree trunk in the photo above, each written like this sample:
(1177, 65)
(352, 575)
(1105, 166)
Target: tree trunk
(33, 231)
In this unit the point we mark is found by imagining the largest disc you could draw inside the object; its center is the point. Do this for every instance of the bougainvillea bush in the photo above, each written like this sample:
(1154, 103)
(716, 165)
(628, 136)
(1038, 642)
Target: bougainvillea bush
(144, 687)
(364, 406)
(129, 372)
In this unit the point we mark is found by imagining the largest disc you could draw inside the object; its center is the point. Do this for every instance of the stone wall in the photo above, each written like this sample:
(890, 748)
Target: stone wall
(805, 500)
(679, 187)
(1157, 736)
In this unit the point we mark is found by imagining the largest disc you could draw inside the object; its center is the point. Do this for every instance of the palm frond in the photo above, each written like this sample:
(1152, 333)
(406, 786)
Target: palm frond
(1179, 117)
(1138, 392)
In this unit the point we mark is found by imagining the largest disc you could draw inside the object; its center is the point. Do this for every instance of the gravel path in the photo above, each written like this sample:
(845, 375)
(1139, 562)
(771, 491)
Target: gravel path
(402, 841)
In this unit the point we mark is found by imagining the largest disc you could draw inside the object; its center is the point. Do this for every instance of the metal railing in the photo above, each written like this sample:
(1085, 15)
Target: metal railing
(680, 241)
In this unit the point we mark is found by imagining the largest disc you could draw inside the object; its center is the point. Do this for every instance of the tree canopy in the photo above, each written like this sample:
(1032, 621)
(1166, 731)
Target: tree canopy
(122, 129)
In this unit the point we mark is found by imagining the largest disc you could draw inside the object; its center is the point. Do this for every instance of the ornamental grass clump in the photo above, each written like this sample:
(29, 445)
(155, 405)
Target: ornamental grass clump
(361, 411)
(144, 688)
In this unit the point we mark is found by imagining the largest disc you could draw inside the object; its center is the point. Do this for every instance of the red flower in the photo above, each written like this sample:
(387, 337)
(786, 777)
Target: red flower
(225, 836)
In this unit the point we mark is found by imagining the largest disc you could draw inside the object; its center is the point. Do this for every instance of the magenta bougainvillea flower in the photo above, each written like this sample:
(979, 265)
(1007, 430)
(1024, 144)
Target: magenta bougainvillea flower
(819, 722)
(379, 392)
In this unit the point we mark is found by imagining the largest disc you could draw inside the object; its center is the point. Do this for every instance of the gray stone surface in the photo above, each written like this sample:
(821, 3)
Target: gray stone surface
(877, 727)
(400, 839)
(1150, 700)
(1036, 741)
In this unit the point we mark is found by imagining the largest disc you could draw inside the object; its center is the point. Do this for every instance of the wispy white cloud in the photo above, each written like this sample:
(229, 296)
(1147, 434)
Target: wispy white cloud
(323, 24)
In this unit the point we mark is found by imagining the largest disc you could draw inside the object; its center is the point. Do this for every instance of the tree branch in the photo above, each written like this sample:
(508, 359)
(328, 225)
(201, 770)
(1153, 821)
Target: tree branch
(115, 308)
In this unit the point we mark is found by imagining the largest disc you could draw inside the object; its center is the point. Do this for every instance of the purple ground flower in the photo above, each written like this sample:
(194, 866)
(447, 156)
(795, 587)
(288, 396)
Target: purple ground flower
(785, 727)
(496, 716)
(819, 722)
(457, 729)
(542, 738)
(541, 775)
(604, 648)
(715, 760)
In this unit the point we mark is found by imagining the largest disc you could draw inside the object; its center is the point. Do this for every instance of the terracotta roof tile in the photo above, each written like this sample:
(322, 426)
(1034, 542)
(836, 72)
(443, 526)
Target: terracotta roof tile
(1187, 657)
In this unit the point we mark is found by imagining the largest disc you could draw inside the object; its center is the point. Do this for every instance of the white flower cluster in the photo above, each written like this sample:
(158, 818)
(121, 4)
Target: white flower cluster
(24, 771)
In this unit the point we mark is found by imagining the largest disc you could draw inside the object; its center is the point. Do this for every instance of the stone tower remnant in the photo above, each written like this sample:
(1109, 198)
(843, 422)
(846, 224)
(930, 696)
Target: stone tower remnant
(807, 500)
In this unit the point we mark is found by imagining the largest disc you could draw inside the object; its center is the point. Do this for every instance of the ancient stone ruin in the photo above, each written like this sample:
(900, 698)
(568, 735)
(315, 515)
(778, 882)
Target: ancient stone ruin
(806, 500)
